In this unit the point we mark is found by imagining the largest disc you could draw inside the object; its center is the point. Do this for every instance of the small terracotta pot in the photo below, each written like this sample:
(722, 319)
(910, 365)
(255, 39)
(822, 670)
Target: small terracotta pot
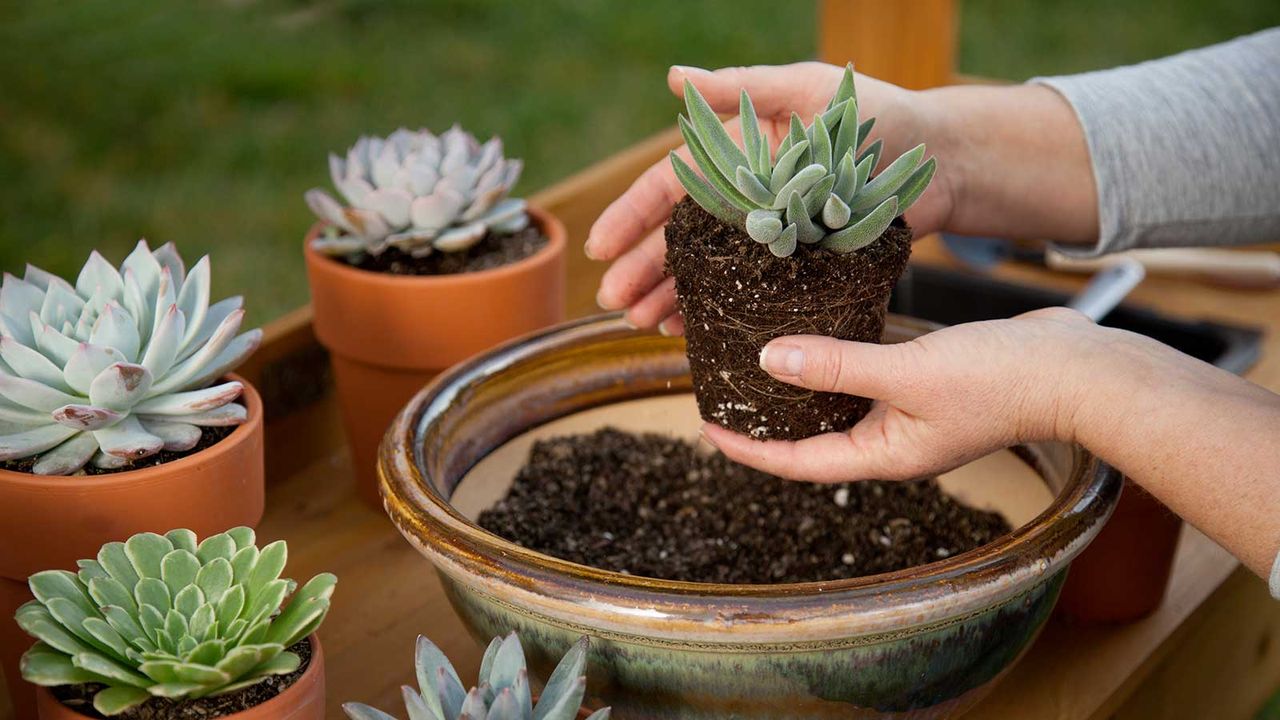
(1122, 576)
(51, 522)
(303, 700)
(389, 334)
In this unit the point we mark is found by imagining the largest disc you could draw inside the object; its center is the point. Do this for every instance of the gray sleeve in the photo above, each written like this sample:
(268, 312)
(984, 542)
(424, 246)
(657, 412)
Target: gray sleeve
(1185, 150)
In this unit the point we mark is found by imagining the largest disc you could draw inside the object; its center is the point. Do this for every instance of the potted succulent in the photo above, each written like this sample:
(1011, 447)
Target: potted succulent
(118, 414)
(503, 692)
(167, 626)
(802, 240)
(426, 262)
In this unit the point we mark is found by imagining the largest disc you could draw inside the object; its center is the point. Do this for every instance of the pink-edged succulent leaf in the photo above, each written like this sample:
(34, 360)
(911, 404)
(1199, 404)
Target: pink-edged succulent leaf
(392, 204)
(26, 443)
(145, 268)
(437, 210)
(120, 386)
(166, 341)
(87, 362)
(216, 314)
(177, 436)
(128, 440)
(225, 416)
(192, 401)
(98, 273)
(86, 417)
(168, 257)
(193, 300)
(198, 363)
(459, 238)
(30, 364)
(53, 344)
(32, 394)
(68, 457)
(13, 414)
(327, 209)
(18, 298)
(61, 304)
(116, 328)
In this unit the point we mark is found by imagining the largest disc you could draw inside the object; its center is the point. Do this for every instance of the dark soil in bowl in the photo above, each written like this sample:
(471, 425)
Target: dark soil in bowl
(736, 296)
(80, 697)
(658, 507)
(492, 251)
(209, 437)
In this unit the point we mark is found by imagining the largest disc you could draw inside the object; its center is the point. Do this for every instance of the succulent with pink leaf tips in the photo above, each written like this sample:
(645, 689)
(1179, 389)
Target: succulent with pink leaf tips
(419, 193)
(119, 366)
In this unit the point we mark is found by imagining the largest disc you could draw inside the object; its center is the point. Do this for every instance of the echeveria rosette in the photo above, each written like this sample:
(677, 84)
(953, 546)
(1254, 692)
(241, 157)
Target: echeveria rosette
(165, 616)
(419, 193)
(817, 188)
(118, 366)
(503, 692)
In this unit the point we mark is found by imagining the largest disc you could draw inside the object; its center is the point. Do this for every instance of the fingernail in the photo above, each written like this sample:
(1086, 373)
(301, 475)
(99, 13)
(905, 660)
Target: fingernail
(782, 359)
(690, 70)
(663, 329)
(707, 438)
(626, 320)
(600, 303)
(586, 250)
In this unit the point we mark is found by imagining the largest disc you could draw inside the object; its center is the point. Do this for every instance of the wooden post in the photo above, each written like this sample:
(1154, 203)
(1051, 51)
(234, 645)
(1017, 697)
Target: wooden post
(911, 43)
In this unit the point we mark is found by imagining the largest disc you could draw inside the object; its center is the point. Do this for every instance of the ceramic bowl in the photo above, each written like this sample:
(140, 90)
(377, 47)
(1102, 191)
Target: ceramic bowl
(926, 642)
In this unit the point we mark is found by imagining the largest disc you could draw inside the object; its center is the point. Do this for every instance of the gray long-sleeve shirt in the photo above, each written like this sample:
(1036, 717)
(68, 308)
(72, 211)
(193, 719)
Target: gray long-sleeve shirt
(1186, 149)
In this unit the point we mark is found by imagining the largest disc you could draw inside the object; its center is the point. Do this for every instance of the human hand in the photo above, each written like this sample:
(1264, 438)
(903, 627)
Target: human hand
(629, 231)
(942, 400)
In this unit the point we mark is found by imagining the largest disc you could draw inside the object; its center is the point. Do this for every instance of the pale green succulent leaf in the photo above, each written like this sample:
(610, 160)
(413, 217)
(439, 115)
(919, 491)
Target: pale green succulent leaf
(115, 672)
(848, 132)
(154, 592)
(872, 151)
(416, 706)
(863, 131)
(178, 570)
(884, 185)
(229, 607)
(431, 666)
(175, 689)
(820, 143)
(475, 706)
(505, 706)
(764, 226)
(862, 172)
(796, 132)
(799, 184)
(865, 231)
(452, 694)
(702, 193)
(564, 689)
(46, 666)
(244, 537)
(785, 168)
(310, 602)
(785, 245)
(113, 558)
(835, 214)
(182, 538)
(831, 116)
(117, 699)
(712, 174)
(188, 600)
(817, 195)
(109, 591)
(750, 185)
(846, 177)
(216, 546)
(507, 664)
(204, 623)
(360, 711)
(242, 564)
(146, 551)
(752, 140)
(88, 570)
(846, 90)
(798, 217)
(486, 662)
(268, 566)
(715, 139)
(51, 584)
(214, 578)
(915, 185)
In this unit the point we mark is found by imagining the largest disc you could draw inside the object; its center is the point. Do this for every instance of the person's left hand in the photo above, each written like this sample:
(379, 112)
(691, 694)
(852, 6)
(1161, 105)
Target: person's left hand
(942, 400)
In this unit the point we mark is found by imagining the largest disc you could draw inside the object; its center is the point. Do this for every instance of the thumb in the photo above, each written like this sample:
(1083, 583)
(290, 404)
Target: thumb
(829, 365)
(775, 90)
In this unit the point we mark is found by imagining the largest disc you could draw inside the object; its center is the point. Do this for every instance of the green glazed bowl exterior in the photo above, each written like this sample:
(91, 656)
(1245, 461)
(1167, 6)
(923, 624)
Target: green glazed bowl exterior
(926, 642)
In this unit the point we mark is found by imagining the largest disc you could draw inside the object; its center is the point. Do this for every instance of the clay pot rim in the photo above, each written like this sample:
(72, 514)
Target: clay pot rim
(963, 583)
(265, 709)
(549, 224)
(252, 402)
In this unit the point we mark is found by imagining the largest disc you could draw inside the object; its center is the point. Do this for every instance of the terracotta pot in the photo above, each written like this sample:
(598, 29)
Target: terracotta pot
(1122, 576)
(303, 700)
(389, 334)
(51, 522)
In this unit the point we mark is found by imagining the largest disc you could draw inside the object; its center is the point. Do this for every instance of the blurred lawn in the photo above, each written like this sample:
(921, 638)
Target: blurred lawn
(204, 122)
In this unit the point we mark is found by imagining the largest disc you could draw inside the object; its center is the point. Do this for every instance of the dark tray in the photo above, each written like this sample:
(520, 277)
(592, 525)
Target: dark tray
(951, 297)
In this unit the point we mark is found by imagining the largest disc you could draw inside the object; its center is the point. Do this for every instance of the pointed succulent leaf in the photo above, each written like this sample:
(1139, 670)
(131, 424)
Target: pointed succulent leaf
(865, 231)
(750, 185)
(714, 176)
(360, 711)
(429, 661)
(835, 214)
(915, 185)
(785, 245)
(800, 183)
(817, 195)
(785, 168)
(707, 126)
(37, 440)
(752, 140)
(872, 151)
(703, 194)
(863, 131)
(117, 699)
(848, 132)
(888, 182)
(764, 226)
(798, 217)
(565, 686)
(821, 144)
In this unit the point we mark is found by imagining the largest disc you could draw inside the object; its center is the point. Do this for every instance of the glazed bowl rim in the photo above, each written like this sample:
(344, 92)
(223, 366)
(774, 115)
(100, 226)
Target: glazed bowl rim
(974, 579)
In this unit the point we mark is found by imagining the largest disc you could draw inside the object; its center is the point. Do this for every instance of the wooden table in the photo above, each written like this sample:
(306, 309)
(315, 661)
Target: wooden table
(1207, 653)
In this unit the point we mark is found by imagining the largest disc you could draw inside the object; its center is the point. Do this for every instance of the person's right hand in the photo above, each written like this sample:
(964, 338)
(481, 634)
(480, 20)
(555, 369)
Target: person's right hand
(629, 231)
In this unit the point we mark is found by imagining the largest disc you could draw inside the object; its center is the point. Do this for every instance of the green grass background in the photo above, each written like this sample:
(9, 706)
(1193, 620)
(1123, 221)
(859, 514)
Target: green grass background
(203, 122)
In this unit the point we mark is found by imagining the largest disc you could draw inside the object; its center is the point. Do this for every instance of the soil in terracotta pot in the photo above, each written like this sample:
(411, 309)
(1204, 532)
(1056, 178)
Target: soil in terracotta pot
(656, 506)
(209, 437)
(736, 296)
(492, 251)
(80, 697)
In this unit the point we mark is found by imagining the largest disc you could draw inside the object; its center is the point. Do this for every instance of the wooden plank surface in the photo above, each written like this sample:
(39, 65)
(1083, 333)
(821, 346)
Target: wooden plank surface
(912, 44)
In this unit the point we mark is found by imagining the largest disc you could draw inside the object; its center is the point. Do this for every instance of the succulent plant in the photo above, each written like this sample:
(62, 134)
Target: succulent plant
(163, 616)
(418, 193)
(503, 692)
(119, 366)
(817, 188)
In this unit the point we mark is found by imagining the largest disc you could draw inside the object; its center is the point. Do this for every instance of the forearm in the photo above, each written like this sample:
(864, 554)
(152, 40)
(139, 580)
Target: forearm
(1203, 441)
(1019, 161)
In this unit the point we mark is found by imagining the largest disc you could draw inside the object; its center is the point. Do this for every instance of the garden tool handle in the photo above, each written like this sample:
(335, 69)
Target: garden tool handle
(1233, 268)
(1108, 287)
